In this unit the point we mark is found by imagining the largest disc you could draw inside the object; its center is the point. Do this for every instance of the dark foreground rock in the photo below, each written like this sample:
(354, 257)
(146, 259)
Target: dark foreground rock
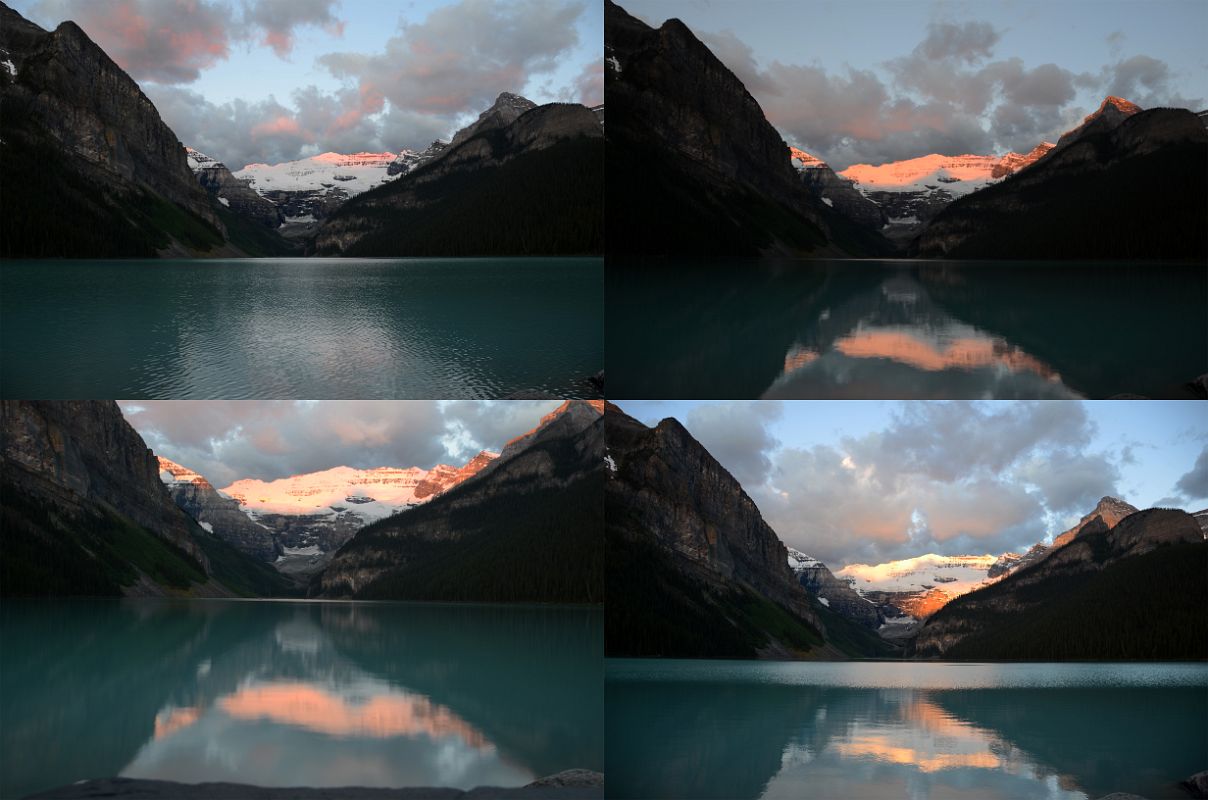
(1197, 784)
(573, 784)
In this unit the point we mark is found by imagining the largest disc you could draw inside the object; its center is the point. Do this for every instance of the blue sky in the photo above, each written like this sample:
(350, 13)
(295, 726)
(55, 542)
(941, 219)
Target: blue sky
(870, 481)
(272, 80)
(876, 81)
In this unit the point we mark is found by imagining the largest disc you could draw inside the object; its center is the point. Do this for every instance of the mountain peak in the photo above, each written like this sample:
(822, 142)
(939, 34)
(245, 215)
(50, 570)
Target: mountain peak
(1120, 104)
(172, 473)
(1111, 112)
(514, 100)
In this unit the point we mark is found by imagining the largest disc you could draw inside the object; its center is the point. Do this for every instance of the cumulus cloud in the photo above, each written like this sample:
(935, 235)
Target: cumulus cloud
(947, 95)
(172, 41)
(1146, 81)
(276, 20)
(228, 440)
(460, 57)
(737, 435)
(939, 477)
(1194, 484)
(429, 79)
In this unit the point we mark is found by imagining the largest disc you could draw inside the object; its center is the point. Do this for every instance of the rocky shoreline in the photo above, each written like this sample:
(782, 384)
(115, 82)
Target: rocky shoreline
(574, 784)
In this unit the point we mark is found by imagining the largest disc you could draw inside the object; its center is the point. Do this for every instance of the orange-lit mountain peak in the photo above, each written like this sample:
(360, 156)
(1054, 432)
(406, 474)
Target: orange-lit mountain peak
(803, 160)
(1120, 104)
(171, 472)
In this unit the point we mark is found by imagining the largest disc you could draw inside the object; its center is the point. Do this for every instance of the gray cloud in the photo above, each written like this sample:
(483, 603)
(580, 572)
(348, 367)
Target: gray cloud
(278, 19)
(462, 56)
(1146, 81)
(948, 478)
(430, 78)
(1194, 484)
(172, 42)
(945, 96)
(228, 440)
(969, 42)
(737, 436)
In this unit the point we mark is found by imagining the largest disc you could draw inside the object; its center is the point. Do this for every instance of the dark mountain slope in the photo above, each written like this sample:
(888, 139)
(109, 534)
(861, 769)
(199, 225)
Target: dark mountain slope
(693, 165)
(526, 528)
(87, 167)
(1123, 186)
(1134, 591)
(84, 512)
(693, 570)
(531, 184)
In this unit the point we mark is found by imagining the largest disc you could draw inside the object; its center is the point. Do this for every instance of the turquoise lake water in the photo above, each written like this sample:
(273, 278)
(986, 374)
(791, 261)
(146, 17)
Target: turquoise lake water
(301, 328)
(743, 329)
(296, 693)
(732, 729)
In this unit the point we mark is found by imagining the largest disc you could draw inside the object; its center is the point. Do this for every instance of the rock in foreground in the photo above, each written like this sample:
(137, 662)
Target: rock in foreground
(568, 785)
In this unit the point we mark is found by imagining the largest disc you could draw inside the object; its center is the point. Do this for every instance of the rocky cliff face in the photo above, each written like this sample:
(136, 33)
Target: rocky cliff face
(666, 490)
(836, 192)
(409, 160)
(517, 489)
(687, 141)
(1021, 596)
(217, 513)
(506, 109)
(1108, 510)
(232, 192)
(836, 594)
(1124, 184)
(65, 100)
(80, 454)
(513, 128)
(1110, 114)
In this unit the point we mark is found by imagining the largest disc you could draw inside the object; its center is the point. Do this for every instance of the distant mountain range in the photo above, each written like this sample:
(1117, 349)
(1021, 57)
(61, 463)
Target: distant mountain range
(89, 510)
(99, 174)
(909, 193)
(690, 145)
(694, 571)
(308, 515)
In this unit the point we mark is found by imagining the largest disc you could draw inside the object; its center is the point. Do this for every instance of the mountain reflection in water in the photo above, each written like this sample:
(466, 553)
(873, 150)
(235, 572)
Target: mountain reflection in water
(295, 693)
(876, 730)
(901, 329)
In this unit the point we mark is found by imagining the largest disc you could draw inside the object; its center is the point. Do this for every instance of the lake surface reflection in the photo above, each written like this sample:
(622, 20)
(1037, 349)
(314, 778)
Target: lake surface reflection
(318, 328)
(709, 729)
(293, 693)
(903, 329)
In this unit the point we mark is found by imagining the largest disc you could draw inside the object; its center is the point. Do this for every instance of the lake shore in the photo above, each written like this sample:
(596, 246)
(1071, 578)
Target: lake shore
(574, 784)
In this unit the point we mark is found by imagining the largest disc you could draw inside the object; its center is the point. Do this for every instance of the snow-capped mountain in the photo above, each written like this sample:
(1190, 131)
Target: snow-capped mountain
(309, 189)
(912, 191)
(324, 509)
(922, 585)
(957, 574)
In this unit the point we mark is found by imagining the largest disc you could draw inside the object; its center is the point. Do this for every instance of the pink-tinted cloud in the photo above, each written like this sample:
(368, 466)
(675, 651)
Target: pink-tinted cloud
(463, 55)
(173, 41)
